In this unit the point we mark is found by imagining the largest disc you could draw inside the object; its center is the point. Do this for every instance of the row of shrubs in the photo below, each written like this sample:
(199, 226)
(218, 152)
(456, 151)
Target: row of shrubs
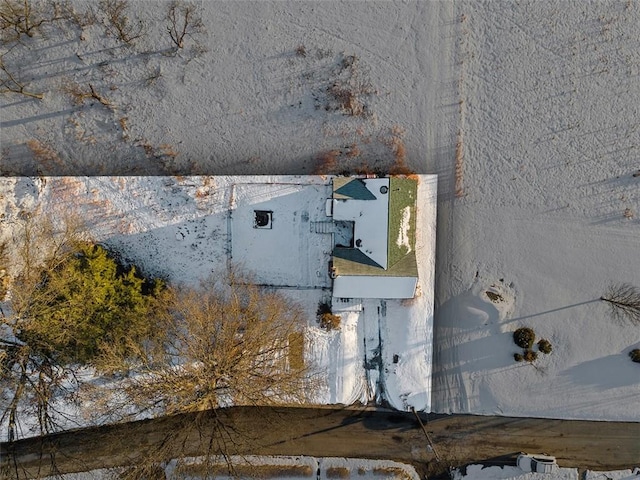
(525, 338)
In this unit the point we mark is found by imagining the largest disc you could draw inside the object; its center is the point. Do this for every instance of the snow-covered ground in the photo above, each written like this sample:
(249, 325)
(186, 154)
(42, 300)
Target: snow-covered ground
(482, 472)
(293, 468)
(528, 111)
(186, 229)
(478, 472)
(550, 140)
(633, 474)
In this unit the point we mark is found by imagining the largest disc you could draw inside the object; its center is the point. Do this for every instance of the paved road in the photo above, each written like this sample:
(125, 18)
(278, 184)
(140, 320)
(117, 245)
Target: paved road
(458, 439)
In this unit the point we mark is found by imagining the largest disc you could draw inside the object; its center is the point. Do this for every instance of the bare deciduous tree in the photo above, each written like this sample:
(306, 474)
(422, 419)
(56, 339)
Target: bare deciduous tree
(10, 83)
(229, 342)
(624, 300)
(183, 20)
(22, 17)
(118, 23)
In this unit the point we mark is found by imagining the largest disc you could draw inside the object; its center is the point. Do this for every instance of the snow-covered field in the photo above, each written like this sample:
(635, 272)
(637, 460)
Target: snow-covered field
(550, 136)
(527, 111)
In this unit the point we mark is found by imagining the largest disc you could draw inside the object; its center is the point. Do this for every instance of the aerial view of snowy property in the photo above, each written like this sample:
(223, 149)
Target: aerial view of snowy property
(320, 239)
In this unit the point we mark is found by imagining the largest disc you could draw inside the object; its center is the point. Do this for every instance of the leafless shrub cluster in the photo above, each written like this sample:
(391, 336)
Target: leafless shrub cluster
(10, 83)
(347, 93)
(81, 19)
(396, 143)
(164, 154)
(624, 301)
(24, 17)
(243, 470)
(183, 19)
(118, 23)
(326, 318)
(80, 94)
(338, 472)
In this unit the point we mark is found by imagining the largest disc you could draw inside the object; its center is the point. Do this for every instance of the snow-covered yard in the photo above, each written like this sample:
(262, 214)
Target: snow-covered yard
(480, 472)
(186, 229)
(549, 216)
(477, 472)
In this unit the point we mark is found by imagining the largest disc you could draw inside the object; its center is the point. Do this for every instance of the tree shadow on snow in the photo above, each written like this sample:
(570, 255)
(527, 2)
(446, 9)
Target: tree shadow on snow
(466, 311)
(613, 371)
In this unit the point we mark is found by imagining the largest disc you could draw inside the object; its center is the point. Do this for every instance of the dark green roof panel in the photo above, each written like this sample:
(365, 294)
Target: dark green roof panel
(356, 189)
(354, 255)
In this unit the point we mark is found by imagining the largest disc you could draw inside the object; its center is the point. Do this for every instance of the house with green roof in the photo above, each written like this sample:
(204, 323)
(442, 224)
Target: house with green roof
(374, 253)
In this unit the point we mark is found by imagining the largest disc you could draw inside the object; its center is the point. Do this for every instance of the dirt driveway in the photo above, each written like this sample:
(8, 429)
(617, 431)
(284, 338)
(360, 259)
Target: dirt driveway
(365, 433)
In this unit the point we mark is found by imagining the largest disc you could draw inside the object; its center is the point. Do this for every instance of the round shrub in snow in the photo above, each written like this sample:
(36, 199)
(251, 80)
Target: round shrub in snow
(545, 346)
(518, 357)
(530, 356)
(635, 355)
(524, 337)
(329, 321)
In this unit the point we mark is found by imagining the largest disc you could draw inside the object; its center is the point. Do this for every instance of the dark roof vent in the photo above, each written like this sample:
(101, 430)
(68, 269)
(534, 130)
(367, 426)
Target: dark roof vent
(384, 189)
(262, 218)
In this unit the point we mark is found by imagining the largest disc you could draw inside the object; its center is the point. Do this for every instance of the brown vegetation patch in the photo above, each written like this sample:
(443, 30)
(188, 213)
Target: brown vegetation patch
(327, 163)
(338, 472)
(391, 472)
(244, 470)
(459, 171)
(494, 297)
(44, 155)
(296, 350)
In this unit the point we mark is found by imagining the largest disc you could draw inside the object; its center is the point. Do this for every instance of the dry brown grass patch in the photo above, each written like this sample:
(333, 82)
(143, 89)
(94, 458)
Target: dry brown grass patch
(44, 154)
(396, 143)
(459, 171)
(391, 472)
(338, 472)
(245, 470)
(327, 163)
(296, 350)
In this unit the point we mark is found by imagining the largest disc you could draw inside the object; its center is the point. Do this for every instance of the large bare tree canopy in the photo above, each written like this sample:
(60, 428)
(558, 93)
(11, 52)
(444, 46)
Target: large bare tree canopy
(624, 300)
(228, 342)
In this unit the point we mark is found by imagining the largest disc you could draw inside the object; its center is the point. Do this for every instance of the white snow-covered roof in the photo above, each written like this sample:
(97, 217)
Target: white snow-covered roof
(362, 286)
(370, 217)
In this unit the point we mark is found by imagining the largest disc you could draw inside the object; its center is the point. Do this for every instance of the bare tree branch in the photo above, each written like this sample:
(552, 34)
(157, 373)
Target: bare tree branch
(22, 17)
(182, 20)
(118, 23)
(9, 83)
(624, 300)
